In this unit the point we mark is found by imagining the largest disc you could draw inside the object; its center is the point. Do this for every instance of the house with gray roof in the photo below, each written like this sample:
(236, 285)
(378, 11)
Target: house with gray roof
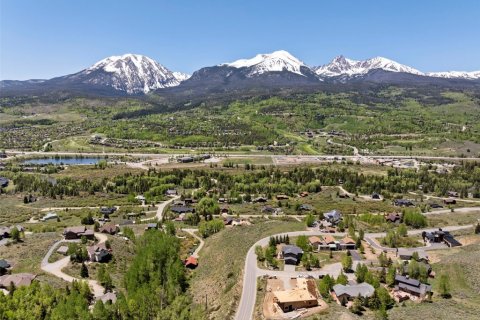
(49, 216)
(291, 254)
(343, 294)
(412, 286)
(4, 266)
(333, 216)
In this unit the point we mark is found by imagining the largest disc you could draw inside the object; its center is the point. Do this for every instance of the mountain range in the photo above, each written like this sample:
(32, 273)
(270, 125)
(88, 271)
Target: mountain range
(133, 74)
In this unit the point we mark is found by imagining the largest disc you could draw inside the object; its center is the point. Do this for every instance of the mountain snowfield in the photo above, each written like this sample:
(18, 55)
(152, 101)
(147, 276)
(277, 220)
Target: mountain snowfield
(455, 74)
(276, 61)
(131, 73)
(342, 66)
(138, 74)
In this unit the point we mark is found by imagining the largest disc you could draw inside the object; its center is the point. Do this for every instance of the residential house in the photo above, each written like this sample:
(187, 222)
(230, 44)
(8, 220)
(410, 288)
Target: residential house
(109, 297)
(6, 231)
(151, 226)
(407, 254)
(228, 221)
(181, 209)
(107, 211)
(450, 201)
(282, 197)
(393, 217)
(303, 295)
(260, 199)
(77, 233)
(63, 250)
(271, 210)
(171, 192)
(185, 159)
(140, 198)
(376, 196)
(315, 242)
(191, 262)
(291, 254)
(303, 194)
(342, 294)
(305, 207)
(18, 280)
(439, 236)
(347, 244)
(189, 201)
(180, 218)
(412, 286)
(328, 243)
(49, 216)
(109, 228)
(403, 203)
(4, 266)
(224, 210)
(333, 216)
(3, 182)
(98, 253)
(453, 194)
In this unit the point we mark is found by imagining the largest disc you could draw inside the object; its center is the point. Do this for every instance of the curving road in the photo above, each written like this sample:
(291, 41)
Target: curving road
(252, 272)
(161, 208)
(56, 267)
(200, 246)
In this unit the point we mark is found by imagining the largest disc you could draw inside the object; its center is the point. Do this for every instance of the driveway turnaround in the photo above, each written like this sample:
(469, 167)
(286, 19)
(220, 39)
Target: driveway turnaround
(56, 267)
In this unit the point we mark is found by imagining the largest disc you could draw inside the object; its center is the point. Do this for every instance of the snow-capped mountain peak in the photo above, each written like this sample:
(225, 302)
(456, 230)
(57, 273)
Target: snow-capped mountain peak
(473, 75)
(276, 61)
(131, 73)
(180, 76)
(343, 66)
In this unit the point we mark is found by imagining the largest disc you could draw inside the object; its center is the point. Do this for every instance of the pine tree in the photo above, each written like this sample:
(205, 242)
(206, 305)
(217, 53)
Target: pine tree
(84, 271)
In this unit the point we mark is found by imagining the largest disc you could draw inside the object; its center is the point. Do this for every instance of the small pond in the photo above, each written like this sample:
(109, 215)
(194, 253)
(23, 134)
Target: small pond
(65, 161)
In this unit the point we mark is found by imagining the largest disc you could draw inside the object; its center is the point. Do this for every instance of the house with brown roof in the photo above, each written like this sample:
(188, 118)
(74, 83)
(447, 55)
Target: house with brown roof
(450, 201)
(315, 242)
(77, 233)
(18, 279)
(109, 228)
(99, 253)
(393, 217)
(303, 295)
(347, 244)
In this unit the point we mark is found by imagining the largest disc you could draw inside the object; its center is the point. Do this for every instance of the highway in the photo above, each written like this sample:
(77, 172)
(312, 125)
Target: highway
(231, 155)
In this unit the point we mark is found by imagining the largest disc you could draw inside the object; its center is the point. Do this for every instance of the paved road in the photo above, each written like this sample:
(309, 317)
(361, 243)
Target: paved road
(56, 267)
(161, 208)
(252, 272)
(239, 155)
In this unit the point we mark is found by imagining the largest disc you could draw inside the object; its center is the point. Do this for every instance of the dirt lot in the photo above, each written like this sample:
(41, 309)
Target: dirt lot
(271, 312)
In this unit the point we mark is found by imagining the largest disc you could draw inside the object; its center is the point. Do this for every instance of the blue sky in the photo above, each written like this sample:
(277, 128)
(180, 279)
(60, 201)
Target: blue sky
(47, 38)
